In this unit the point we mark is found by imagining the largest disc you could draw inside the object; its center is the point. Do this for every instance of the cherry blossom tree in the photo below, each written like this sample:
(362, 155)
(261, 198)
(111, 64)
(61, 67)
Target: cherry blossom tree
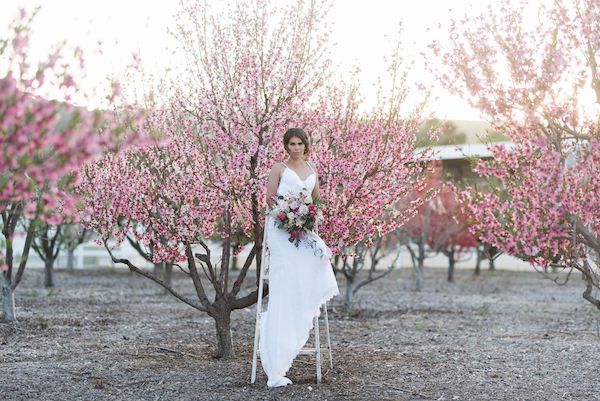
(74, 235)
(488, 252)
(43, 142)
(420, 227)
(368, 260)
(540, 85)
(439, 226)
(50, 239)
(368, 165)
(250, 74)
(450, 233)
(47, 242)
(218, 125)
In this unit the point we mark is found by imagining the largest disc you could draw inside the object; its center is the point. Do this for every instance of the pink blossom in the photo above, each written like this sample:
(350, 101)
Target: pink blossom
(541, 198)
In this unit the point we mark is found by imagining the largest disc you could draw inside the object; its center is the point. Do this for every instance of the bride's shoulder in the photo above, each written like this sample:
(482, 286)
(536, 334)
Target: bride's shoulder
(278, 168)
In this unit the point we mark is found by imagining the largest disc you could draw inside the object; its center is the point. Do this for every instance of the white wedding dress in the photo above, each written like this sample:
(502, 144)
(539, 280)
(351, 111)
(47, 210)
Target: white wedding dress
(300, 281)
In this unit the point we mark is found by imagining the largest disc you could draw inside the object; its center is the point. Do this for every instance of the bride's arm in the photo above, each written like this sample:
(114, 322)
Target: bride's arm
(315, 192)
(274, 177)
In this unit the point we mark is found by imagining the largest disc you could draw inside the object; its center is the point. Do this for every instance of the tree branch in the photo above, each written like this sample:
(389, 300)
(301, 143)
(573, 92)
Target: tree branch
(244, 302)
(196, 278)
(237, 285)
(152, 277)
(24, 257)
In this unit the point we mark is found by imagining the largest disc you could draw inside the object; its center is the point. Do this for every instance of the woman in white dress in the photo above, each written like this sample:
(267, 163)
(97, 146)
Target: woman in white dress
(300, 278)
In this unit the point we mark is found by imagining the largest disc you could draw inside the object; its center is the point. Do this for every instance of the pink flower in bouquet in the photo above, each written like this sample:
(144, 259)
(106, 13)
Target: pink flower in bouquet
(281, 216)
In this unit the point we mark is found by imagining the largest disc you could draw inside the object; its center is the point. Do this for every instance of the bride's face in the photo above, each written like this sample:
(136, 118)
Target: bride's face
(295, 147)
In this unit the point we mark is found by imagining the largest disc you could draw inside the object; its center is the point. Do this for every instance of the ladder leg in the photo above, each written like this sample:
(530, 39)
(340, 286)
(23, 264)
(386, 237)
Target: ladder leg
(327, 335)
(317, 349)
(317, 342)
(257, 330)
(259, 304)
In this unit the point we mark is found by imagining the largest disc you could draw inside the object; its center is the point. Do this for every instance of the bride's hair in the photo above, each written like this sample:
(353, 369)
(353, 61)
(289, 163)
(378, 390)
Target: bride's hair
(298, 133)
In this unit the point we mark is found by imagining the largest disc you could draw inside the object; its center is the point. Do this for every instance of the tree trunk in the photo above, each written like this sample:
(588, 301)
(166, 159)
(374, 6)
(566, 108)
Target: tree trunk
(48, 273)
(420, 265)
(167, 275)
(492, 264)
(71, 259)
(8, 302)
(158, 268)
(225, 344)
(478, 264)
(421, 256)
(491, 252)
(451, 266)
(349, 293)
(234, 258)
(418, 268)
(336, 265)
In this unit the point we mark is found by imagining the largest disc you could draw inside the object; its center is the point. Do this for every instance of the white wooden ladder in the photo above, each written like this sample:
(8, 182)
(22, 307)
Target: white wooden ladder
(316, 350)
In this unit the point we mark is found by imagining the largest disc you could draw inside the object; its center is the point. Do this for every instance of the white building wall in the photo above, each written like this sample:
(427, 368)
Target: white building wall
(90, 255)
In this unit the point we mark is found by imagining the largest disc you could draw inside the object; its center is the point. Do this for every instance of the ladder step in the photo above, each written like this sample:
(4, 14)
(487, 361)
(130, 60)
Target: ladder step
(312, 350)
(305, 351)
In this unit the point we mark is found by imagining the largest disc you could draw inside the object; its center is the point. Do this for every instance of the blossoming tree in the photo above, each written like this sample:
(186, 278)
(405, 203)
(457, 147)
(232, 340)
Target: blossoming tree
(43, 143)
(249, 74)
(368, 165)
(540, 85)
(450, 233)
(418, 230)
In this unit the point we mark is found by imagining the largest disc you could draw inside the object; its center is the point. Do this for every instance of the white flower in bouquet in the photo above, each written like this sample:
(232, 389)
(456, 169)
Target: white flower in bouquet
(303, 210)
(281, 206)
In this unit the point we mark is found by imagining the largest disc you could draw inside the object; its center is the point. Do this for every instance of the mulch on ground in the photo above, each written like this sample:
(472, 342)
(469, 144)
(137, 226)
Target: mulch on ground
(109, 334)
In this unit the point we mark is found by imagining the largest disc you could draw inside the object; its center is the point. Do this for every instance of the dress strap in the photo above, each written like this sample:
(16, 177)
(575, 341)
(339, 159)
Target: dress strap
(284, 164)
(311, 167)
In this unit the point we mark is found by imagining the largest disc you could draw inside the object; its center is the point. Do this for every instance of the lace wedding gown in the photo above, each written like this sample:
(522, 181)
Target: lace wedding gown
(300, 281)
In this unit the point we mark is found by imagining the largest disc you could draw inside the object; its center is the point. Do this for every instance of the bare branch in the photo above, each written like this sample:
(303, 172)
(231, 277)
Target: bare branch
(152, 277)
(196, 278)
(245, 301)
(237, 285)
(24, 257)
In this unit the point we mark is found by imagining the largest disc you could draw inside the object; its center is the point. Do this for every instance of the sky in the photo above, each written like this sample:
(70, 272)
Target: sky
(363, 32)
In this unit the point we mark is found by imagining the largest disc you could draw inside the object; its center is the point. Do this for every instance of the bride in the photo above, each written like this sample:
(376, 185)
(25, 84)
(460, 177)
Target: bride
(300, 278)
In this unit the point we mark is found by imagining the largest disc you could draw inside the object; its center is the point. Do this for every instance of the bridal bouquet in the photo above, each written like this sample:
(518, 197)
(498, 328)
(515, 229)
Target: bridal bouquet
(296, 213)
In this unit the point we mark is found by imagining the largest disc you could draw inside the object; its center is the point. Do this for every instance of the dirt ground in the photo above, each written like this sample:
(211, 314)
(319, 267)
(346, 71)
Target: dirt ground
(111, 335)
